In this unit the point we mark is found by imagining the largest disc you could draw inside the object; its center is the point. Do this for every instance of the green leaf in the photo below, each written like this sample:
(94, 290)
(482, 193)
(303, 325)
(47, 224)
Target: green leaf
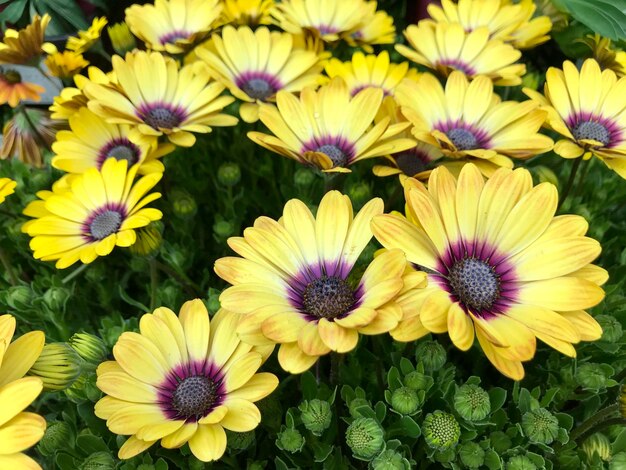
(381, 411)
(497, 397)
(406, 366)
(13, 12)
(619, 445)
(66, 462)
(492, 460)
(321, 450)
(565, 420)
(525, 401)
(308, 385)
(91, 444)
(279, 464)
(405, 426)
(549, 396)
(68, 10)
(605, 17)
(393, 378)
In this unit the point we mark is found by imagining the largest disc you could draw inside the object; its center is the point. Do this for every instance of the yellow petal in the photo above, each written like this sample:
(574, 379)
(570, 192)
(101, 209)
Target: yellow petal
(460, 327)
(293, 360)
(336, 337)
(242, 415)
(208, 443)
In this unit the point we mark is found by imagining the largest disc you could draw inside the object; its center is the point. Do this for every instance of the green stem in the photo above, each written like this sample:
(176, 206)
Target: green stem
(154, 282)
(593, 421)
(598, 427)
(335, 361)
(378, 351)
(74, 273)
(570, 182)
(582, 177)
(620, 376)
(6, 263)
(192, 288)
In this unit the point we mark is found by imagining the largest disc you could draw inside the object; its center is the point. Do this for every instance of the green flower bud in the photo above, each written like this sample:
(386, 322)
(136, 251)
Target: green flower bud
(229, 174)
(598, 444)
(360, 193)
(240, 440)
(290, 440)
(223, 229)
(618, 461)
(365, 437)
(445, 456)
(500, 442)
(591, 376)
(55, 298)
(431, 354)
(520, 462)
(89, 347)
(19, 297)
(472, 402)
(417, 381)
(57, 436)
(149, 240)
(390, 460)
(405, 401)
(213, 300)
(441, 431)
(98, 461)
(540, 426)
(611, 328)
(184, 204)
(122, 39)
(303, 177)
(316, 415)
(58, 366)
(471, 454)
(357, 403)
(531, 80)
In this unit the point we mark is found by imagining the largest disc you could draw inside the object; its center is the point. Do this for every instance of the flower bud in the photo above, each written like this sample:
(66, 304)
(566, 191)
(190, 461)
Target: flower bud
(303, 177)
(546, 175)
(213, 300)
(417, 381)
(316, 415)
(98, 461)
(441, 431)
(540, 426)
(618, 461)
(520, 462)
(531, 80)
(184, 204)
(471, 454)
(360, 193)
(500, 442)
(472, 402)
(356, 403)
(390, 460)
(57, 436)
(89, 347)
(365, 437)
(239, 440)
(19, 297)
(405, 401)
(222, 229)
(55, 298)
(229, 174)
(591, 376)
(290, 440)
(611, 328)
(431, 354)
(149, 240)
(598, 444)
(58, 366)
(122, 39)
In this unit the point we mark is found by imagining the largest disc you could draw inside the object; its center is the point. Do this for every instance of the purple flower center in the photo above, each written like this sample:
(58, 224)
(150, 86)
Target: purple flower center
(591, 130)
(161, 116)
(194, 397)
(462, 139)
(410, 163)
(475, 283)
(120, 149)
(105, 223)
(336, 155)
(258, 88)
(328, 297)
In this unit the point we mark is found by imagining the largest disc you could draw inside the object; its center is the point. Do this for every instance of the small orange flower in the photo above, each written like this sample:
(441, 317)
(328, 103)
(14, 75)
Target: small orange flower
(13, 90)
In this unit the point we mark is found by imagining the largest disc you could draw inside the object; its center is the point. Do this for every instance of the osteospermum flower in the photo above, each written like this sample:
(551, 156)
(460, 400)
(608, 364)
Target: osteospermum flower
(101, 209)
(87, 38)
(13, 90)
(328, 128)
(173, 26)
(26, 45)
(91, 141)
(7, 187)
(508, 21)
(467, 119)
(19, 429)
(500, 266)
(587, 107)
(65, 64)
(292, 281)
(183, 379)
(374, 71)
(376, 27)
(446, 47)
(605, 54)
(255, 65)
(247, 12)
(157, 97)
(71, 99)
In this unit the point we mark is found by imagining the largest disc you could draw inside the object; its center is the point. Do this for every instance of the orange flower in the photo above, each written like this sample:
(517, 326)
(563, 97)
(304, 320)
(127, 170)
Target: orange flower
(13, 89)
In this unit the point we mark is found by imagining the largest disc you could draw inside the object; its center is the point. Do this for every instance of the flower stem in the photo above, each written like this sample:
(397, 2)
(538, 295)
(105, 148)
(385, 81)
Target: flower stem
(154, 282)
(589, 425)
(599, 426)
(335, 361)
(570, 182)
(74, 273)
(6, 263)
(192, 288)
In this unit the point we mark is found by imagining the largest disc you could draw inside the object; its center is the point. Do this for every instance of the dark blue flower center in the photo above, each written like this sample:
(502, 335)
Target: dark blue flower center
(462, 139)
(336, 155)
(194, 397)
(123, 152)
(162, 117)
(475, 283)
(258, 88)
(591, 130)
(104, 224)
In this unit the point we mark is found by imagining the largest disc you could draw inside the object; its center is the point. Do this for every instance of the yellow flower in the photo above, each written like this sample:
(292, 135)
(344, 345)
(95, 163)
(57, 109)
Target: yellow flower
(255, 65)
(65, 64)
(328, 128)
(500, 266)
(91, 141)
(183, 379)
(13, 90)
(19, 429)
(467, 119)
(587, 107)
(173, 26)
(87, 38)
(101, 209)
(158, 98)
(511, 22)
(374, 71)
(291, 282)
(247, 12)
(26, 45)
(606, 56)
(376, 27)
(71, 99)
(446, 47)
(121, 38)
(7, 187)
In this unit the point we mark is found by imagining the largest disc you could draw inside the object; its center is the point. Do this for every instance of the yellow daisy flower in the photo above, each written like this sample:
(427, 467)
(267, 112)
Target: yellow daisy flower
(26, 45)
(291, 282)
(247, 12)
(87, 38)
(91, 141)
(606, 56)
(173, 26)
(376, 27)
(255, 65)
(7, 187)
(71, 99)
(467, 119)
(65, 64)
(328, 128)
(102, 209)
(19, 429)
(13, 90)
(158, 98)
(370, 71)
(500, 265)
(446, 47)
(183, 379)
(508, 21)
(587, 107)
(122, 40)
